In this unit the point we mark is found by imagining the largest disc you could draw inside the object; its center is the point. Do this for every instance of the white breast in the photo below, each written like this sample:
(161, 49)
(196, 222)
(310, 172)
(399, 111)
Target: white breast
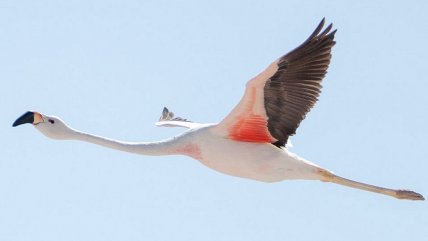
(258, 161)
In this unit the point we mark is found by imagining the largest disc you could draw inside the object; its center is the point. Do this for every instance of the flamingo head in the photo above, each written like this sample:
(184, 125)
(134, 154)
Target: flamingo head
(50, 126)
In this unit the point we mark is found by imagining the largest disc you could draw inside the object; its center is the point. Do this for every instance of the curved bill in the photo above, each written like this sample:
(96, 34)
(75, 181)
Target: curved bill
(27, 117)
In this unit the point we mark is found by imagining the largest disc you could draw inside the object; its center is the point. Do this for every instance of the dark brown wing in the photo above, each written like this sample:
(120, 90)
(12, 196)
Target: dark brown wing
(294, 89)
(278, 99)
(167, 119)
(169, 116)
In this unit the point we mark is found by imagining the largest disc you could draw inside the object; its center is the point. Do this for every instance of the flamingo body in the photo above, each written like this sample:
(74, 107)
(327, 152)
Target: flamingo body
(250, 142)
(258, 161)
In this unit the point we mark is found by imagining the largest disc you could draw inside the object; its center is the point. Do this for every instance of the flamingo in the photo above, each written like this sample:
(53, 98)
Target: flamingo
(251, 141)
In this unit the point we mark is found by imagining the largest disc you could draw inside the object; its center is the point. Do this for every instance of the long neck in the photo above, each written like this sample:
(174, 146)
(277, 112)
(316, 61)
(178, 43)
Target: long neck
(165, 147)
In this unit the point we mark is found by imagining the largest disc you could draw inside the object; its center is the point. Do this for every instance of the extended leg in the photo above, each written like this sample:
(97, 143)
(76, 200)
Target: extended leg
(397, 193)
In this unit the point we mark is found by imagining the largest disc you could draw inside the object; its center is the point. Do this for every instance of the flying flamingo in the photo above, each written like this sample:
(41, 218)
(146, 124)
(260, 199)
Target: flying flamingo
(251, 141)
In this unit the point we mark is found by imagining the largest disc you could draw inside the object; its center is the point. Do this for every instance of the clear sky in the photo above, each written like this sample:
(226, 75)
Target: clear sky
(109, 67)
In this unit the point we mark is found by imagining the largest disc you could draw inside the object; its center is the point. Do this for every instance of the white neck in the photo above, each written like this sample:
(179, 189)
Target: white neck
(165, 147)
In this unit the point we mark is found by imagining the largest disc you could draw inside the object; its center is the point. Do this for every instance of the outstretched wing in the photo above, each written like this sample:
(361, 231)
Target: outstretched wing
(167, 119)
(278, 99)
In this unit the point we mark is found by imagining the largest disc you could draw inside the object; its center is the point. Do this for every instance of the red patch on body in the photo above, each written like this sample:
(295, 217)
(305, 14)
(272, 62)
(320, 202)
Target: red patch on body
(251, 128)
(191, 150)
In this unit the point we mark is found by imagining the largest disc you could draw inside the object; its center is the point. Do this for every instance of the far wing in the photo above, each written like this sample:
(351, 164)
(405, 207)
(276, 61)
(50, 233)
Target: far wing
(167, 119)
(278, 99)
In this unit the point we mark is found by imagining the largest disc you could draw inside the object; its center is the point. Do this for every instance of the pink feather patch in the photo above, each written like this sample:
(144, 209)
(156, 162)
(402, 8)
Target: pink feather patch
(251, 128)
(191, 150)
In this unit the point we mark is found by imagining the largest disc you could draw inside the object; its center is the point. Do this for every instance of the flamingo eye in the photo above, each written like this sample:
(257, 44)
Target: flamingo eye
(51, 121)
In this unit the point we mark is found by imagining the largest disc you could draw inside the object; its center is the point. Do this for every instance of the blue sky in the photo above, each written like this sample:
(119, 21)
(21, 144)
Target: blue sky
(109, 67)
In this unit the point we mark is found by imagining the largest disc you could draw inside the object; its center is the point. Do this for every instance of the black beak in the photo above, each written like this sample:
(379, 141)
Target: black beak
(28, 117)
